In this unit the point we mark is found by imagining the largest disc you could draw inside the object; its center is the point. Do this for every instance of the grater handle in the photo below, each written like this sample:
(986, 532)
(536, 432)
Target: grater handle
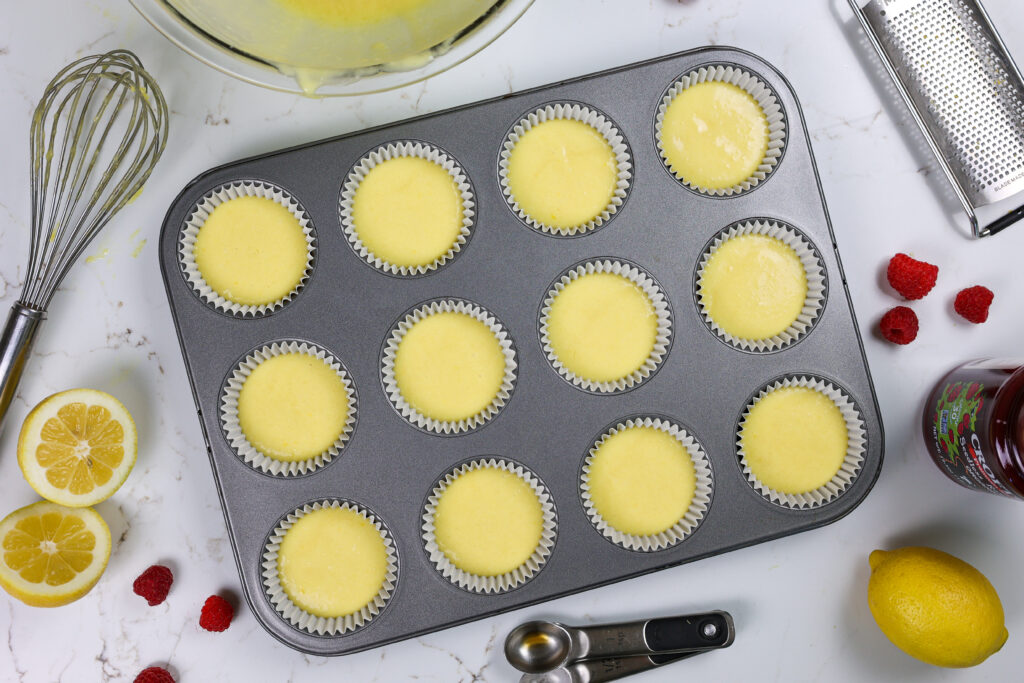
(15, 346)
(1003, 222)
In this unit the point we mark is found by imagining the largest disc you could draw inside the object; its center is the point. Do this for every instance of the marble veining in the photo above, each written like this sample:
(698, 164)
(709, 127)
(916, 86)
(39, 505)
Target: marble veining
(798, 603)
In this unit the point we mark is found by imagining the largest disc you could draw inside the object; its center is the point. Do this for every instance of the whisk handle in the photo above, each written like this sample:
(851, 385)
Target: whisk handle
(15, 347)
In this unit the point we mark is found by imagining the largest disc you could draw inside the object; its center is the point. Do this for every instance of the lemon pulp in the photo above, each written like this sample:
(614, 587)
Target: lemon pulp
(408, 211)
(77, 447)
(332, 562)
(602, 327)
(488, 521)
(795, 439)
(449, 366)
(562, 173)
(753, 286)
(251, 250)
(52, 555)
(293, 407)
(641, 480)
(714, 135)
(63, 437)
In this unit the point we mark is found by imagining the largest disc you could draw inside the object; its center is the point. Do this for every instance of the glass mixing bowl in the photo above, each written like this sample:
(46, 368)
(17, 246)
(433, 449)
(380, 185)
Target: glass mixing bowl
(182, 22)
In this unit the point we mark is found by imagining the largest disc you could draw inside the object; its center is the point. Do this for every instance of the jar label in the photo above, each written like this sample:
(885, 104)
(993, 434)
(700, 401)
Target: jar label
(958, 444)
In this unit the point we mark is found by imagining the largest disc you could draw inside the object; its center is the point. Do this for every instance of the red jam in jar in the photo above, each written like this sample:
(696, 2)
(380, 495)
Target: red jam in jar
(974, 426)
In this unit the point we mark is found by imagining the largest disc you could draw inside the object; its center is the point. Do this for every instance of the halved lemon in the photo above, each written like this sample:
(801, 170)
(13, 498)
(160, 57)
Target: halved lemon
(52, 555)
(77, 447)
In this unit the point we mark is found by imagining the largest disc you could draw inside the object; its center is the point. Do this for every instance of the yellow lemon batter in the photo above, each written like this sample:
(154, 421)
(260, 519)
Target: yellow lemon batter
(795, 439)
(714, 135)
(488, 521)
(449, 366)
(293, 407)
(407, 211)
(318, 40)
(642, 480)
(251, 250)
(602, 327)
(753, 286)
(562, 173)
(332, 562)
(351, 11)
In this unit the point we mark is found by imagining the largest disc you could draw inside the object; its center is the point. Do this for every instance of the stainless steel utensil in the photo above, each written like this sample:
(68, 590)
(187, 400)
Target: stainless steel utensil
(604, 670)
(96, 135)
(963, 90)
(538, 647)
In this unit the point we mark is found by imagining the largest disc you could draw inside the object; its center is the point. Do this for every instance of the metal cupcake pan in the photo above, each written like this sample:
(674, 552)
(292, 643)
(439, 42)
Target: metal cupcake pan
(348, 308)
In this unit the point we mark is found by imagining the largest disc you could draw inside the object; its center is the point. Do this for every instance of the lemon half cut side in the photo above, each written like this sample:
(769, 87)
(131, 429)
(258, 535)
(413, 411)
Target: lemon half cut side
(77, 447)
(50, 554)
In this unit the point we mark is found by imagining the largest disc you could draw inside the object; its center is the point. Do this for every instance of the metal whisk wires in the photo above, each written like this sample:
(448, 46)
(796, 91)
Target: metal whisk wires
(96, 135)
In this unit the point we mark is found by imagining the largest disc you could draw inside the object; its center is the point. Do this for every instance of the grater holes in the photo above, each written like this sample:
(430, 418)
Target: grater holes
(961, 80)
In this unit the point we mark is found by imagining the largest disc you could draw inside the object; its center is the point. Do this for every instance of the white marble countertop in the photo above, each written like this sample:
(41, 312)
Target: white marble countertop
(799, 603)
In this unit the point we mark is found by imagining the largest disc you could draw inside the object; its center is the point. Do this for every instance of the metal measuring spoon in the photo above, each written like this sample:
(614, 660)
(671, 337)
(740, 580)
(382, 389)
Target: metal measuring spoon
(604, 670)
(538, 647)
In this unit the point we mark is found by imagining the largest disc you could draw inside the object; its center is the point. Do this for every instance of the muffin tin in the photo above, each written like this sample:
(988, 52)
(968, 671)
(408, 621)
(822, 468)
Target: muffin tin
(389, 466)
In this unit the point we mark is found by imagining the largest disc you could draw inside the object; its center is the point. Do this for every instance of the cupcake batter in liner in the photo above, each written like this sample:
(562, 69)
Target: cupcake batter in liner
(199, 215)
(311, 623)
(598, 122)
(509, 580)
(662, 337)
(233, 429)
(761, 93)
(393, 151)
(414, 416)
(814, 269)
(855, 449)
(696, 511)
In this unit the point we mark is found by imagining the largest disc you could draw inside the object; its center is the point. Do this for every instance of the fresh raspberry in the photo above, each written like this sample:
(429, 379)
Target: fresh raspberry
(154, 674)
(972, 303)
(217, 614)
(154, 584)
(910, 277)
(899, 325)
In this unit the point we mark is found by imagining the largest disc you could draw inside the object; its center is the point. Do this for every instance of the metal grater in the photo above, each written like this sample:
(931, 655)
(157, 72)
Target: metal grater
(964, 91)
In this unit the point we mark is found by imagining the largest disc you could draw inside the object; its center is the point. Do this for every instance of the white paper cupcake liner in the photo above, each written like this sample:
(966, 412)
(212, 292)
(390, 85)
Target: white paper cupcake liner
(764, 97)
(662, 337)
(814, 302)
(856, 445)
(233, 429)
(202, 211)
(694, 513)
(601, 124)
(413, 415)
(311, 623)
(392, 151)
(503, 582)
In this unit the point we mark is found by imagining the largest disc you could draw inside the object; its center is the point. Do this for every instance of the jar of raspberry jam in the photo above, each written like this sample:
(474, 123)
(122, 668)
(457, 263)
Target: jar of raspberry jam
(974, 426)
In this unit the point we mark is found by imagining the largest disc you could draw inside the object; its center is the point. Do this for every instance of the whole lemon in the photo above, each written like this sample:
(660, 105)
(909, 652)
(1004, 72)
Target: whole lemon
(935, 607)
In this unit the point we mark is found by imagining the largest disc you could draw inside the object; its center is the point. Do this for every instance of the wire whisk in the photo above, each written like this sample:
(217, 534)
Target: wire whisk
(96, 135)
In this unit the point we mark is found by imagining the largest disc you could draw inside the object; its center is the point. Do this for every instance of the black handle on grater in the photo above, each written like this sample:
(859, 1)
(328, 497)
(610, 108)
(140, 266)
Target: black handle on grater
(1004, 222)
